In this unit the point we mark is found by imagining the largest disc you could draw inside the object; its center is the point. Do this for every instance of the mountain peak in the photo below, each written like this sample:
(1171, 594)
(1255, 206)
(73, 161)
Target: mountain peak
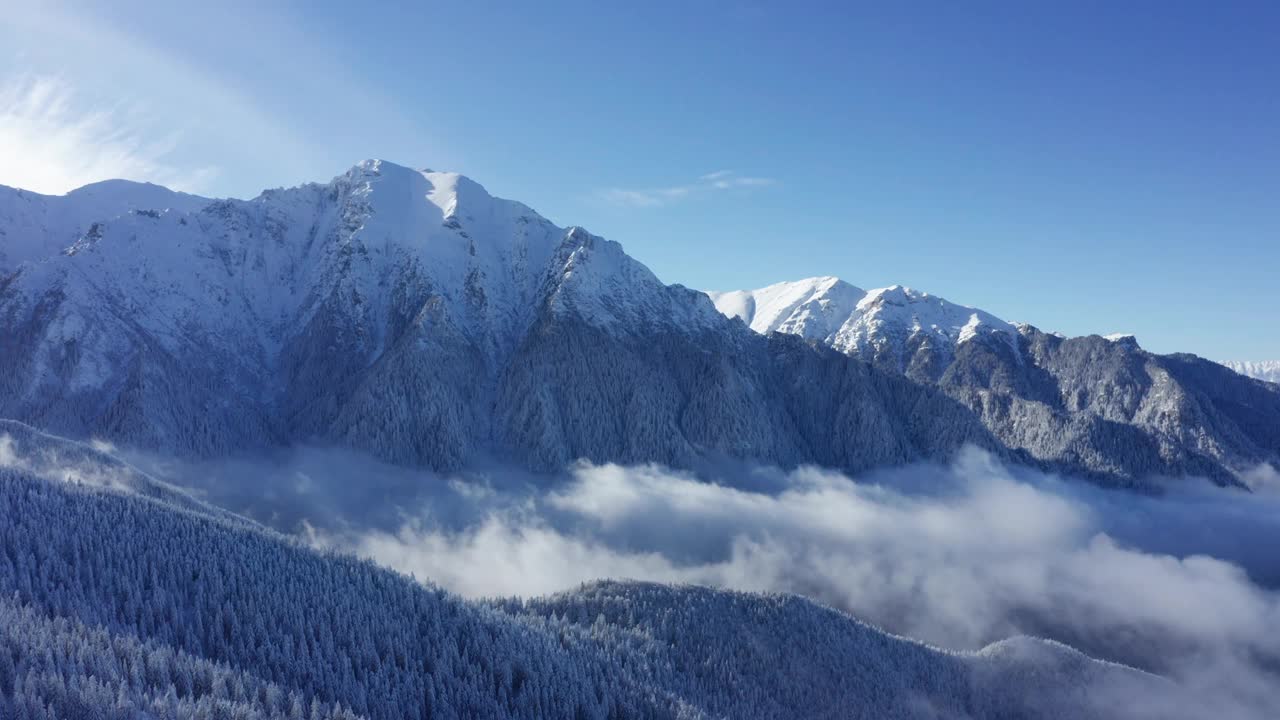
(892, 295)
(794, 306)
(861, 322)
(1122, 338)
(457, 196)
(34, 227)
(114, 185)
(378, 168)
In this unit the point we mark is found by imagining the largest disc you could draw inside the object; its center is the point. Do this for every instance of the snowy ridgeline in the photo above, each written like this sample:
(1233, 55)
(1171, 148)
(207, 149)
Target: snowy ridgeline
(1099, 405)
(1268, 370)
(878, 323)
(413, 316)
(120, 605)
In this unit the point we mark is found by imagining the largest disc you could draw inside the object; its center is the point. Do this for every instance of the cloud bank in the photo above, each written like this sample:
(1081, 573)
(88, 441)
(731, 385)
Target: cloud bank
(959, 556)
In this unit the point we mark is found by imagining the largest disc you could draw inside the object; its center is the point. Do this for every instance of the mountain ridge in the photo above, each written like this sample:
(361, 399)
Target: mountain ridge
(37, 225)
(1268, 370)
(854, 321)
(413, 315)
(1053, 396)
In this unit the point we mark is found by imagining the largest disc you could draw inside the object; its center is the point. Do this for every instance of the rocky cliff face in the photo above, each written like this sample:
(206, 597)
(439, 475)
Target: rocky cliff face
(1101, 405)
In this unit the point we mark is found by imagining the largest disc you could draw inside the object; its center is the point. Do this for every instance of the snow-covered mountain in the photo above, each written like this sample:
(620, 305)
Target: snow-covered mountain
(413, 315)
(35, 226)
(1102, 402)
(358, 248)
(1268, 370)
(905, 329)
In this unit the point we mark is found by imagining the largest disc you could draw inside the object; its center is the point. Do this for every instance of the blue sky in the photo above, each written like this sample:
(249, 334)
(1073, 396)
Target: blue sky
(1083, 166)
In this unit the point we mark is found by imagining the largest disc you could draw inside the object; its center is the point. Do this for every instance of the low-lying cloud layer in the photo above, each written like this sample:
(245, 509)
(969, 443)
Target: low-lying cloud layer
(959, 556)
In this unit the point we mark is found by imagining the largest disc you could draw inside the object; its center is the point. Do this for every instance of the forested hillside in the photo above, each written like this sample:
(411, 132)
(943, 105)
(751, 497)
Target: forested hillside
(115, 602)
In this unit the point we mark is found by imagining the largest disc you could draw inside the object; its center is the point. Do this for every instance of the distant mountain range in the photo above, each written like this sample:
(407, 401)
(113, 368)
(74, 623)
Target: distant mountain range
(1268, 370)
(412, 315)
(1078, 400)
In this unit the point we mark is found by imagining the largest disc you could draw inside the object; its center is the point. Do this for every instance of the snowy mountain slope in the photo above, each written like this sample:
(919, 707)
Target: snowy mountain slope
(180, 615)
(413, 315)
(34, 226)
(1268, 370)
(1101, 404)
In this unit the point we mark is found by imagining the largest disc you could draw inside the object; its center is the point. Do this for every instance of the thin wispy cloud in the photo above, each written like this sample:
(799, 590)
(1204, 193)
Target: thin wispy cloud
(52, 141)
(653, 197)
(185, 110)
(710, 182)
